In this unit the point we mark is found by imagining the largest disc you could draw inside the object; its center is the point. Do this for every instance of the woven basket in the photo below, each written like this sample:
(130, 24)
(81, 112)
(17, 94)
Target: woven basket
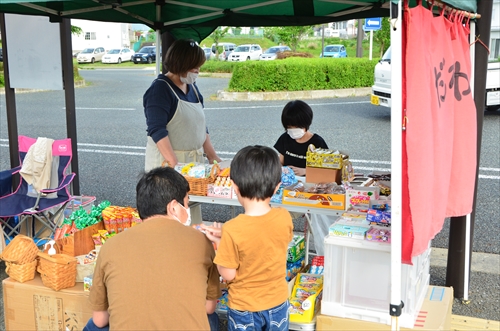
(21, 272)
(20, 250)
(199, 186)
(58, 271)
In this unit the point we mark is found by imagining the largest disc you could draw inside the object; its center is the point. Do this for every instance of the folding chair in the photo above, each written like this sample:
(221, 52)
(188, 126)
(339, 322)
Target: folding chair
(46, 206)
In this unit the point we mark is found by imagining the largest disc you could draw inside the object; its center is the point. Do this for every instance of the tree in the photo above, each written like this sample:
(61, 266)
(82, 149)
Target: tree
(76, 30)
(383, 36)
(217, 35)
(290, 35)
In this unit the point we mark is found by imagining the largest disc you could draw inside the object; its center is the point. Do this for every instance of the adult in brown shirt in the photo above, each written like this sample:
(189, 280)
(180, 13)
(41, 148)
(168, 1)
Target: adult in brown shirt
(158, 275)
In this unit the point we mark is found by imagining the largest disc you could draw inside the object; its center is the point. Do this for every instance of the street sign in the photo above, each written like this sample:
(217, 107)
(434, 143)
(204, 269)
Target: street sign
(372, 24)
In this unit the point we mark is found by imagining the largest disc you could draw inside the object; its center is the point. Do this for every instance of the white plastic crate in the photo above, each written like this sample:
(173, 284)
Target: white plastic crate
(357, 281)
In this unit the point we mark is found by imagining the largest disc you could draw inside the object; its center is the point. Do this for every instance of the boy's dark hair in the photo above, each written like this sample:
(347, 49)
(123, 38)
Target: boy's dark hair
(256, 170)
(157, 188)
(184, 55)
(297, 113)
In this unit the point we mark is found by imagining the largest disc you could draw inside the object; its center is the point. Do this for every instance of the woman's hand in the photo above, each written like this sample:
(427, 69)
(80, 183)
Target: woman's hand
(298, 171)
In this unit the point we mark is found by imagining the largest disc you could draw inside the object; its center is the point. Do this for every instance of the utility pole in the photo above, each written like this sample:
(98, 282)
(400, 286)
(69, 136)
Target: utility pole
(359, 45)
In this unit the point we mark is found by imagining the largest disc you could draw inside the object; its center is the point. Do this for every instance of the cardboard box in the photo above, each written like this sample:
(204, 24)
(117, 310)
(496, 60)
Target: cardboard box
(435, 314)
(322, 158)
(306, 312)
(32, 306)
(323, 175)
(314, 200)
(81, 242)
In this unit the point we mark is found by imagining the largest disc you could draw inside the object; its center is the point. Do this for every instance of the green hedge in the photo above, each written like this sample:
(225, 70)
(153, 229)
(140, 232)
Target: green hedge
(219, 66)
(299, 74)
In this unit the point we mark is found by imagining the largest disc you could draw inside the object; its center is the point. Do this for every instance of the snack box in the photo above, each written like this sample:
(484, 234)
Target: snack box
(310, 306)
(324, 158)
(313, 200)
(296, 248)
(349, 227)
(218, 191)
(360, 196)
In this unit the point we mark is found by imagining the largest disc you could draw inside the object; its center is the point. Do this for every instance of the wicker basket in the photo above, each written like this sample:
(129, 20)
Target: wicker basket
(199, 186)
(20, 250)
(21, 272)
(58, 271)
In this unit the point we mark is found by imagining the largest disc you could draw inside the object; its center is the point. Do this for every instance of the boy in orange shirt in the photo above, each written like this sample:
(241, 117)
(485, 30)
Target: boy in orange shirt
(252, 247)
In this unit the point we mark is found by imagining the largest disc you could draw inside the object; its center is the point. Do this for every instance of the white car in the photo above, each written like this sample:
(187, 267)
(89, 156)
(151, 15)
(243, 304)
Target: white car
(272, 52)
(90, 55)
(245, 53)
(118, 55)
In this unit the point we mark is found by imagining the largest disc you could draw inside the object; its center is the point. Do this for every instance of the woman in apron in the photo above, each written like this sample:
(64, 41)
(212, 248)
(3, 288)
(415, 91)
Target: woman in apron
(173, 107)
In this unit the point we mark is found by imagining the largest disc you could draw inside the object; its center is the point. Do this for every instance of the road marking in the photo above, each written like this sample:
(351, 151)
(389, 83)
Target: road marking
(354, 161)
(281, 106)
(85, 108)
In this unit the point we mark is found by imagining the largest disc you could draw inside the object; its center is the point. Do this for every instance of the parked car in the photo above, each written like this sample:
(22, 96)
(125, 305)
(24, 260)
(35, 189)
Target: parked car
(90, 55)
(245, 53)
(208, 52)
(1, 55)
(272, 52)
(334, 51)
(147, 54)
(118, 55)
(227, 48)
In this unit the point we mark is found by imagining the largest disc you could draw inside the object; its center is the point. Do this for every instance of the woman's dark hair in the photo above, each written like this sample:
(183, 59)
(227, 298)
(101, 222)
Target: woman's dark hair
(157, 188)
(184, 55)
(256, 170)
(298, 114)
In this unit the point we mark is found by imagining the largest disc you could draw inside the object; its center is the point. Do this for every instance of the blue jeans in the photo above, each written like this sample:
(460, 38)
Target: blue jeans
(92, 327)
(213, 320)
(274, 319)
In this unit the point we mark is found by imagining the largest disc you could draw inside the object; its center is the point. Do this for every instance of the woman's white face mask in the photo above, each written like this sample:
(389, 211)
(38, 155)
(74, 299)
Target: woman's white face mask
(188, 220)
(190, 78)
(296, 133)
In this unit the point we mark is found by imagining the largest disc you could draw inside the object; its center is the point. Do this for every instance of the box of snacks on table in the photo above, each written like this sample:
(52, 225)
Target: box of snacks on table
(322, 195)
(305, 300)
(222, 187)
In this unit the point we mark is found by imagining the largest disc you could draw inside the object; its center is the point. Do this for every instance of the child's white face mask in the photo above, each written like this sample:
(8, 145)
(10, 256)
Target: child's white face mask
(296, 133)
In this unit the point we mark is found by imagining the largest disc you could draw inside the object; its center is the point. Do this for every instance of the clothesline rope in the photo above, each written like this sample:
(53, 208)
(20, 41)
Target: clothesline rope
(452, 10)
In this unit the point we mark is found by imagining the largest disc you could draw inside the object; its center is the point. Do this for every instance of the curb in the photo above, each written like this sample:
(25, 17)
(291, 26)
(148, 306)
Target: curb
(292, 95)
(80, 83)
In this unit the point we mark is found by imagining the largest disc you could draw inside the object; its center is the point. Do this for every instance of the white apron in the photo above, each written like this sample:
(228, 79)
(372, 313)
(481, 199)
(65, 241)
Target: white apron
(187, 134)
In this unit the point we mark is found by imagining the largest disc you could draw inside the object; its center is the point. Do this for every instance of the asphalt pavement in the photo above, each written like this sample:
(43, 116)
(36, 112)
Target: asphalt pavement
(111, 135)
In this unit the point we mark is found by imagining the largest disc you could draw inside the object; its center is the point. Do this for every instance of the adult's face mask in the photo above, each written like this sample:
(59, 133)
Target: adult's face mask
(190, 78)
(188, 220)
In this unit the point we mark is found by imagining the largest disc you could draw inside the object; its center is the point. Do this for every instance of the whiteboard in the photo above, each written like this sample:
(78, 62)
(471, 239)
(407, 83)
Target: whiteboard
(34, 52)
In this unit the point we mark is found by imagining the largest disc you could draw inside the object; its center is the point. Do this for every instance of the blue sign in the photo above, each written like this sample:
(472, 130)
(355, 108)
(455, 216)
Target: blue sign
(372, 24)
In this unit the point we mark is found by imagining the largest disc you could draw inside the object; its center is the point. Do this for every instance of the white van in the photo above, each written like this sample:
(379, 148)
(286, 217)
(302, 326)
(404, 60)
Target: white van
(381, 89)
(227, 48)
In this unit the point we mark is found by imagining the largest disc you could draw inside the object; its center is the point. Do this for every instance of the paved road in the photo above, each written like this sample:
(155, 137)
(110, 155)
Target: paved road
(111, 135)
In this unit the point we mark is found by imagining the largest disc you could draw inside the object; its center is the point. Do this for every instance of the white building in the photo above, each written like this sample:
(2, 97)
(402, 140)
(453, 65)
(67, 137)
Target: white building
(101, 34)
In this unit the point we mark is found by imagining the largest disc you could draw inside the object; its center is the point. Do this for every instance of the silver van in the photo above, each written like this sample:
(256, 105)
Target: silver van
(227, 48)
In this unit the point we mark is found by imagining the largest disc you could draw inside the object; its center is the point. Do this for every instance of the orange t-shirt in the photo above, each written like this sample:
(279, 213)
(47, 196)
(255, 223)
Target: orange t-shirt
(156, 276)
(256, 246)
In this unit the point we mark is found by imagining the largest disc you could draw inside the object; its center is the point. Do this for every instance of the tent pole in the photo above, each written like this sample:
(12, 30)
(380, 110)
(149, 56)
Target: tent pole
(166, 40)
(396, 161)
(158, 41)
(10, 103)
(69, 96)
(459, 235)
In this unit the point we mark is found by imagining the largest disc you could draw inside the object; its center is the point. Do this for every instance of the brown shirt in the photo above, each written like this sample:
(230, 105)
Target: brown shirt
(156, 276)
(256, 246)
